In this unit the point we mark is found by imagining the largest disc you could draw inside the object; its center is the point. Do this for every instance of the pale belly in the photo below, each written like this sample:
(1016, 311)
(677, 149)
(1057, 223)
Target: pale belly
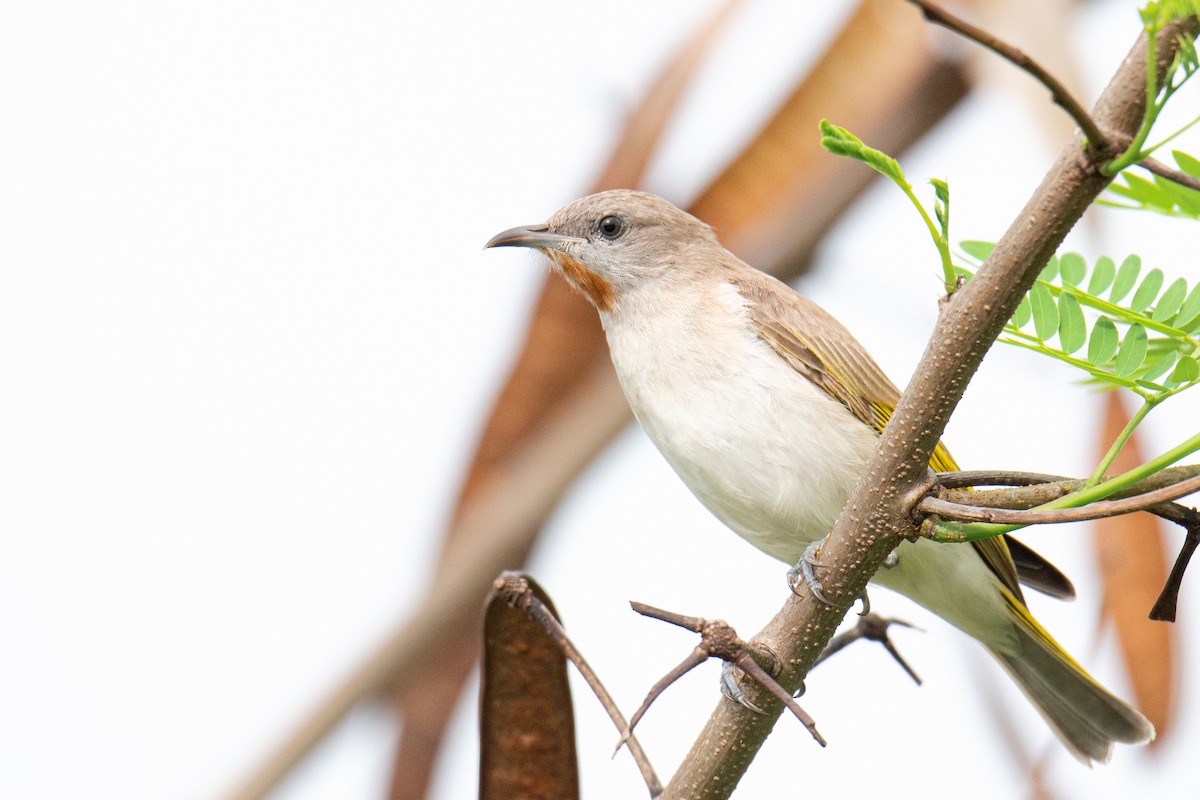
(770, 454)
(775, 459)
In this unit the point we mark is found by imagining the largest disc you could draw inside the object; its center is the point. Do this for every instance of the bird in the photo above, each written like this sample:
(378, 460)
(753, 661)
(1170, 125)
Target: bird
(768, 409)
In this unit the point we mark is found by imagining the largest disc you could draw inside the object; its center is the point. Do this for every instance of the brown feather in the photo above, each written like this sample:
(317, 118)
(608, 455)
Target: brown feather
(814, 344)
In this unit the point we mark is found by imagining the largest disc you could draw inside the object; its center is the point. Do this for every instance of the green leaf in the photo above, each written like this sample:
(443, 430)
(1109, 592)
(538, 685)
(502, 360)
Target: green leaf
(1132, 352)
(1189, 164)
(1022, 314)
(1072, 327)
(1158, 194)
(1126, 277)
(1103, 344)
(976, 249)
(1154, 367)
(1146, 293)
(1102, 275)
(1171, 300)
(1189, 312)
(1073, 268)
(842, 142)
(1045, 312)
(1050, 271)
(1147, 191)
(941, 206)
(1186, 371)
(1185, 198)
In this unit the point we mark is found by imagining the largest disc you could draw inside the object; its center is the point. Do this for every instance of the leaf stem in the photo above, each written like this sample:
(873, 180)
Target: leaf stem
(941, 244)
(1157, 145)
(1148, 404)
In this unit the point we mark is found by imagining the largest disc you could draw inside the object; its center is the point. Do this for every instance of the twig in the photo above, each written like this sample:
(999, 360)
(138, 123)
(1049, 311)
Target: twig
(1037, 488)
(946, 509)
(961, 479)
(748, 665)
(1170, 173)
(1032, 489)
(515, 589)
(718, 639)
(1168, 600)
(697, 657)
(1096, 139)
(873, 628)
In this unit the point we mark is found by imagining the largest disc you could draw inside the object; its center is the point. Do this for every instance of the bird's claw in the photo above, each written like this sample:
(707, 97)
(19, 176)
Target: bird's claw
(866, 604)
(731, 689)
(805, 570)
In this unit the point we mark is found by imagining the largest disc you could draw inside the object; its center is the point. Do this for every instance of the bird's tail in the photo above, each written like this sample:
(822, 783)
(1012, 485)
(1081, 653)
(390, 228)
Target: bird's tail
(1085, 716)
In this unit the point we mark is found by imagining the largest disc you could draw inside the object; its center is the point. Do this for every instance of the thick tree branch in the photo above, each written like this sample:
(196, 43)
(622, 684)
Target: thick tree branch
(878, 515)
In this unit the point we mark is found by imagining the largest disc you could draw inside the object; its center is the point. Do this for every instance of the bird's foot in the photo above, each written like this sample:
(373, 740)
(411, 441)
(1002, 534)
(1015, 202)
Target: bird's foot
(733, 690)
(805, 572)
(731, 676)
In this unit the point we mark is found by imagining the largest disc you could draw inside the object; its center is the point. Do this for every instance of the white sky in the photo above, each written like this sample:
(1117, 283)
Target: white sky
(247, 334)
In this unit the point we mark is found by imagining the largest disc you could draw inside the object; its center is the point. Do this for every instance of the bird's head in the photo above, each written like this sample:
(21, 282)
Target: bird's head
(614, 242)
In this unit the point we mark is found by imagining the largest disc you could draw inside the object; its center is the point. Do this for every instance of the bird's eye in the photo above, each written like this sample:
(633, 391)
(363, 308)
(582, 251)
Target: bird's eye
(610, 227)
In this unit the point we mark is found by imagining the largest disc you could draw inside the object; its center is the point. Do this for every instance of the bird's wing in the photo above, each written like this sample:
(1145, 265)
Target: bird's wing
(819, 347)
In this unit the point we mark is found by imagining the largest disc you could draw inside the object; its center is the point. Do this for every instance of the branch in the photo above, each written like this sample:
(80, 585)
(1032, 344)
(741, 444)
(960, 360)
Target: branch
(1060, 94)
(1170, 173)
(1034, 489)
(874, 628)
(877, 517)
(718, 639)
(1034, 516)
(1168, 599)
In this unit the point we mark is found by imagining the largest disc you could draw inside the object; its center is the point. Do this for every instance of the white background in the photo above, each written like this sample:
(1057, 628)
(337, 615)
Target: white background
(247, 335)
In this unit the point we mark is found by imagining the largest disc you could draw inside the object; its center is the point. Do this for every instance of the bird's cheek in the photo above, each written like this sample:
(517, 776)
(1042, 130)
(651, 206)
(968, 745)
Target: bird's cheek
(592, 286)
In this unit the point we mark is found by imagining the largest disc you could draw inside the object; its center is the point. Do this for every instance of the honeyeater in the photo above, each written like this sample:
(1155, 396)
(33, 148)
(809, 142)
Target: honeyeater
(768, 409)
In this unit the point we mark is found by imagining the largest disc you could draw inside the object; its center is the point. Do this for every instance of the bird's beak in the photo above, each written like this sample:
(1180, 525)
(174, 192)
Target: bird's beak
(531, 236)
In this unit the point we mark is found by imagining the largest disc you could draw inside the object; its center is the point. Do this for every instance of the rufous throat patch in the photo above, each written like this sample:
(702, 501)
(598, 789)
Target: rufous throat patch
(593, 287)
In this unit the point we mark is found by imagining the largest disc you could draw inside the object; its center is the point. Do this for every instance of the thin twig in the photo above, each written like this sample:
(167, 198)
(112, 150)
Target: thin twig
(1033, 516)
(1170, 173)
(873, 628)
(935, 14)
(748, 665)
(694, 659)
(721, 641)
(1032, 489)
(1168, 599)
(1037, 488)
(718, 639)
(517, 591)
(961, 479)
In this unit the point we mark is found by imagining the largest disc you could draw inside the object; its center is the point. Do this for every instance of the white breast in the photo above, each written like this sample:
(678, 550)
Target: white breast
(766, 451)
